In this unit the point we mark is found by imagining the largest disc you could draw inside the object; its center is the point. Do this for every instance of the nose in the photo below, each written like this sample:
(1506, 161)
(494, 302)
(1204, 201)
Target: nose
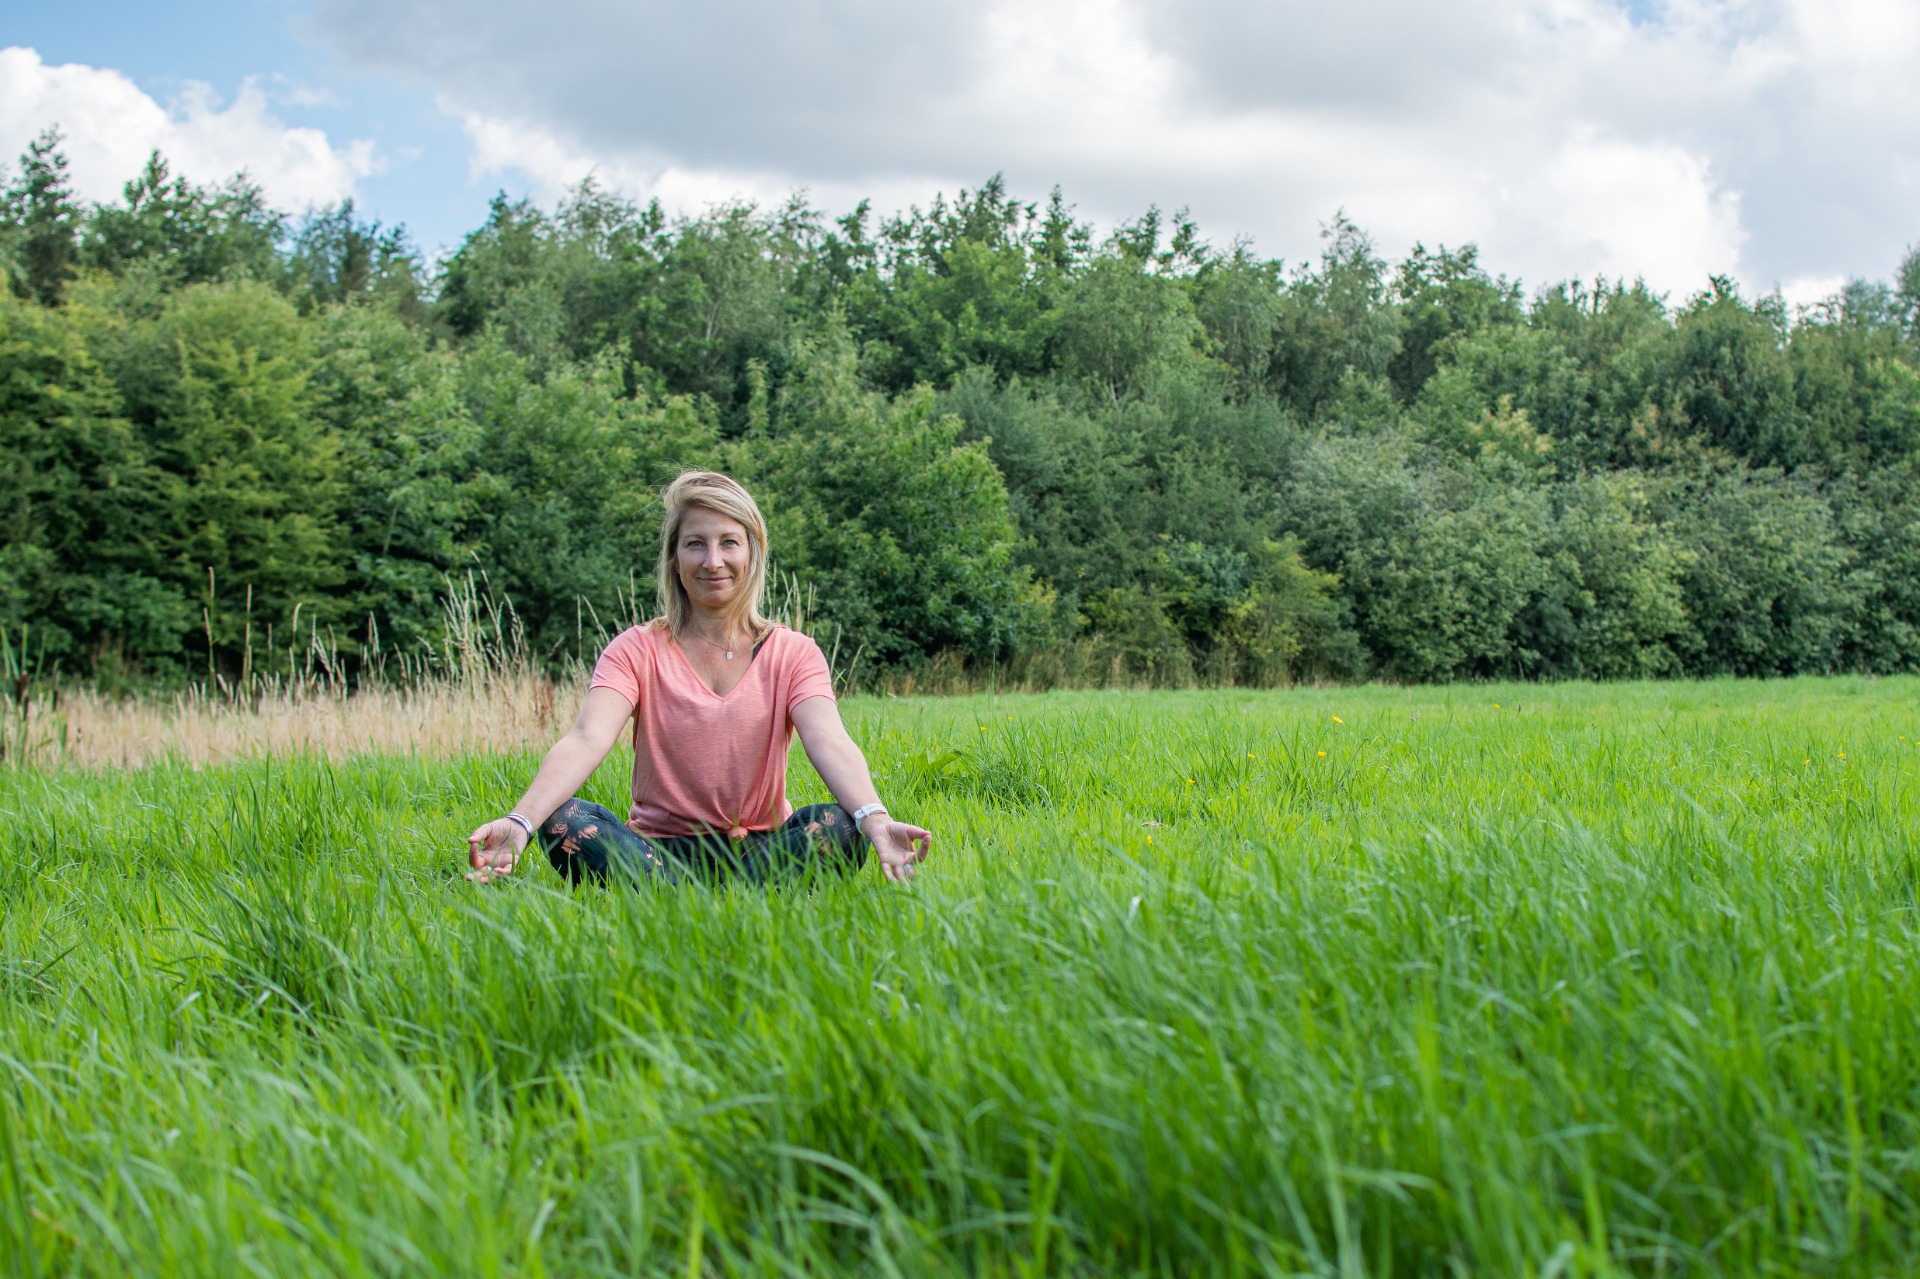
(712, 559)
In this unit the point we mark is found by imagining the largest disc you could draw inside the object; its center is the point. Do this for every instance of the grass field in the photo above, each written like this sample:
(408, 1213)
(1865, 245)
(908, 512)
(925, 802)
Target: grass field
(1481, 981)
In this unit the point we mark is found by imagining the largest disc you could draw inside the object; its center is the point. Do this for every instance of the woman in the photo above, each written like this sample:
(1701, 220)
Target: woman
(714, 691)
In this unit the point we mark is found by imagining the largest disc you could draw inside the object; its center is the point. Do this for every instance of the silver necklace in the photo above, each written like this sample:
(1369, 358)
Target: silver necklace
(727, 649)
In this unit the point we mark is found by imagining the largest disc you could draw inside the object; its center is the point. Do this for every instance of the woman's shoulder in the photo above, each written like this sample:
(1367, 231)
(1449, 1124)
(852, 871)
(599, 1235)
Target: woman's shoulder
(796, 658)
(636, 640)
(627, 664)
(784, 640)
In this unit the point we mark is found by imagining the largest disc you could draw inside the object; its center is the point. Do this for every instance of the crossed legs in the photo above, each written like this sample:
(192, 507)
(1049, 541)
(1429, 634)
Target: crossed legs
(586, 841)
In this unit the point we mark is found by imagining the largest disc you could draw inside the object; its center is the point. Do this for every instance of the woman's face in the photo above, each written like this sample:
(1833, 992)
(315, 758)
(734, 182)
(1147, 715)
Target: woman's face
(712, 557)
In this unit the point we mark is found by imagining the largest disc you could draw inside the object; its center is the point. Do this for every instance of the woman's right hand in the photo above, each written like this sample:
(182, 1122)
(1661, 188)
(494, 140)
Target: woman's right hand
(494, 849)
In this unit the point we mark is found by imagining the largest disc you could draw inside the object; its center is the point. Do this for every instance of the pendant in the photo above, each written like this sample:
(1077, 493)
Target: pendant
(729, 655)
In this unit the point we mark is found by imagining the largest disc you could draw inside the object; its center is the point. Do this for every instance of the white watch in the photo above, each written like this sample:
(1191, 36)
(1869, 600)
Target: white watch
(865, 811)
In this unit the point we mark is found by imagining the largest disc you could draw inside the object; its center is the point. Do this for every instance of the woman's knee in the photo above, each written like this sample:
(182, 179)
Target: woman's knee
(576, 838)
(823, 821)
(829, 826)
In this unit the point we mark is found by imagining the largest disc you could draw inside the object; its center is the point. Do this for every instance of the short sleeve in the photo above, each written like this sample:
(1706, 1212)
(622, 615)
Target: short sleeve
(620, 666)
(811, 678)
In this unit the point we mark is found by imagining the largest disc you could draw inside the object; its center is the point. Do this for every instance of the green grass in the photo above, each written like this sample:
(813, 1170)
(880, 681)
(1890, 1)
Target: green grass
(1603, 980)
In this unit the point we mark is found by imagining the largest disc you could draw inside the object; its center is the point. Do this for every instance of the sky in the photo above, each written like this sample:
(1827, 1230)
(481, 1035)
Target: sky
(1774, 141)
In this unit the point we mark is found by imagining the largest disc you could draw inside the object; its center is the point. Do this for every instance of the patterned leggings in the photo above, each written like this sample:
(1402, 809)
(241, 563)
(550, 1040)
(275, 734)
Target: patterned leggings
(587, 841)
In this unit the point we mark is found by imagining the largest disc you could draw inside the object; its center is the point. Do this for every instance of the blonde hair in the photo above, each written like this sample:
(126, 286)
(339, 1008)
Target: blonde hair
(723, 495)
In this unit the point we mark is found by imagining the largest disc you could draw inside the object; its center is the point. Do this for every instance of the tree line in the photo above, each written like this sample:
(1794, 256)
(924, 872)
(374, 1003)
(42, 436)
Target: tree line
(982, 434)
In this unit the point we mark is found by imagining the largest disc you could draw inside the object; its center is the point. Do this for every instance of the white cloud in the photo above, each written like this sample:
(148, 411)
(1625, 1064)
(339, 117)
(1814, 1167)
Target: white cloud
(1626, 211)
(552, 165)
(1770, 139)
(112, 125)
(1811, 290)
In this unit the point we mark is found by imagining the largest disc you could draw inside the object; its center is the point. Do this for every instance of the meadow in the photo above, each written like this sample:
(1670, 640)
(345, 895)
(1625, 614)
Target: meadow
(1477, 980)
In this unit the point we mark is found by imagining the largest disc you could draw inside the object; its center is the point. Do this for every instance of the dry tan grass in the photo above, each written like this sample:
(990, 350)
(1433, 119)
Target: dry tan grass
(504, 711)
(487, 698)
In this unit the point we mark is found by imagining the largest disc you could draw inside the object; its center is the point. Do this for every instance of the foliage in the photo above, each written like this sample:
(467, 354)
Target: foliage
(985, 433)
(335, 258)
(167, 233)
(565, 516)
(1770, 586)
(251, 484)
(83, 514)
(902, 529)
(42, 221)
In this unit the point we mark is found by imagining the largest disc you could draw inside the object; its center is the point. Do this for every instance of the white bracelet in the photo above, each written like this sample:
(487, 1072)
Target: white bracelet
(865, 811)
(525, 825)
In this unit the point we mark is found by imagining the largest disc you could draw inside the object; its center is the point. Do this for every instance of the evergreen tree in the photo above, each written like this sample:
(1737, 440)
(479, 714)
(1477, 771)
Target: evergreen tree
(83, 511)
(170, 233)
(336, 258)
(45, 220)
(976, 430)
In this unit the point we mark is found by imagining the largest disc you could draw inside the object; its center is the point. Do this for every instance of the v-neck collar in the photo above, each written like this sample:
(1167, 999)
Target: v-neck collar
(752, 657)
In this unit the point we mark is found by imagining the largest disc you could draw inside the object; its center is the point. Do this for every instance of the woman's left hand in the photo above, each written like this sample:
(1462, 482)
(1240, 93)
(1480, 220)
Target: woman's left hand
(901, 846)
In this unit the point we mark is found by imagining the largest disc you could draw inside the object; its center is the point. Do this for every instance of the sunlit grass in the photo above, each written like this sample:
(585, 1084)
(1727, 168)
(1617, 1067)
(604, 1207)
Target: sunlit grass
(1488, 980)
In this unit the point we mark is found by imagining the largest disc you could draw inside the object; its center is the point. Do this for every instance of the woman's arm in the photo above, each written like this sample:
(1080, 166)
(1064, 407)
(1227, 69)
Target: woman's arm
(844, 769)
(493, 849)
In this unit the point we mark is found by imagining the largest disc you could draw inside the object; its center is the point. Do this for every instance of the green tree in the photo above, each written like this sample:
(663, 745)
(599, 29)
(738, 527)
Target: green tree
(958, 286)
(1123, 327)
(83, 509)
(1238, 301)
(1731, 381)
(218, 386)
(976, 431)
(44, 220)
(1226, 615)
(903, 532)
(496, 261)
(1878, 514)
(334, 257)
(563, 513)
(1438, 563)
(1444, 294)
(1337, 323)
(1074, 484)
(722, 302)
(167, 233)
(1906, 294)
(1593, 371)
(1770, 586)
(411, 464)
(1611, 604)
(1858, 402)
(1136, 638)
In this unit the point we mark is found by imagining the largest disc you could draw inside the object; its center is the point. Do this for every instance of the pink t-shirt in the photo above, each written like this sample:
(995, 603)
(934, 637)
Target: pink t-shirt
(702, 761)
